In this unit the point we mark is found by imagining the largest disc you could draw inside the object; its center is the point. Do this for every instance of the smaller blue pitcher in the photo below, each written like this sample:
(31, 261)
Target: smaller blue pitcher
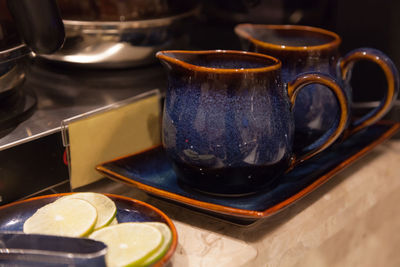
(228, 124)
(304, 48)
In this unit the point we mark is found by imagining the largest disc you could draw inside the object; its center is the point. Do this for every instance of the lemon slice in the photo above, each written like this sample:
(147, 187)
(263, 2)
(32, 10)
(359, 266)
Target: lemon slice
(167, 240)
(106, 209)
(129, 243)
(72, 217)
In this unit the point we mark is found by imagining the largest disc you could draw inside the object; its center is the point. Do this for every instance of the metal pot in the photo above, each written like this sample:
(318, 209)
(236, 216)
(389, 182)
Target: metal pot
(121, 43)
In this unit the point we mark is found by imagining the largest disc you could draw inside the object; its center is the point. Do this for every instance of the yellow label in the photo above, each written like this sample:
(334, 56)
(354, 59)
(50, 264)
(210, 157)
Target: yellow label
(111, 134)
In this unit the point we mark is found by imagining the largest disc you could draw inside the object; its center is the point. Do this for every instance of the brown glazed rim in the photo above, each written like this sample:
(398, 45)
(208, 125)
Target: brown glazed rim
(333, 44)
(275, 66)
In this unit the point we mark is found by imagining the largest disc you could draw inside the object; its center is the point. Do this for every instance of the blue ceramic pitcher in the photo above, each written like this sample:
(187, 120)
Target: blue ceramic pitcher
(304, 48)
(228, 124)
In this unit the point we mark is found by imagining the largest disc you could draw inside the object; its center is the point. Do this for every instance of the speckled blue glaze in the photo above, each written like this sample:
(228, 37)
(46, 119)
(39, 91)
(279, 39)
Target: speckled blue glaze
(302, 49)
(315, 107)
(153, 169)
(226, 132)
(227, 124)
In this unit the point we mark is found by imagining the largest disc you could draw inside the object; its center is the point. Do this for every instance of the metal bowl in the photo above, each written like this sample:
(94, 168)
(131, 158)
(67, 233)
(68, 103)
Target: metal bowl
(121, 44)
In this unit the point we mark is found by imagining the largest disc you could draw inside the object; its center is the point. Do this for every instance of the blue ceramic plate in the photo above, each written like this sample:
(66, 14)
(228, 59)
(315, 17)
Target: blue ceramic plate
(151, 172)
(13, 215)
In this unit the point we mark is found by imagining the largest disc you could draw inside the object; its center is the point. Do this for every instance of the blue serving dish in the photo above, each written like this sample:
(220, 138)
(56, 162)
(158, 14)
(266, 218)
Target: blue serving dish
(152, 172)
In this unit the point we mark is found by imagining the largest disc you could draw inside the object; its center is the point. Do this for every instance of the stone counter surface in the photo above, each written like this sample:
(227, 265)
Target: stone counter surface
(352, 220)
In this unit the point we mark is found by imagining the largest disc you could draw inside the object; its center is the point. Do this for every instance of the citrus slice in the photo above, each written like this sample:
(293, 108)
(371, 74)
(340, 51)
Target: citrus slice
(167, 240)
(114, 221)
(72, 217)
(129, 243)
(106, 209)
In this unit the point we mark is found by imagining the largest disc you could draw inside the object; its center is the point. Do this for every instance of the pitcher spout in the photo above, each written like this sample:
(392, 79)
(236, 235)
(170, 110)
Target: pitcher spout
(248, 34)
(187, 60)
(174, 59)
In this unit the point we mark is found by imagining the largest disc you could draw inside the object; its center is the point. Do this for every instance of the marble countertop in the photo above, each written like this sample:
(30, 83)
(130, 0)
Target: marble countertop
(352, 220)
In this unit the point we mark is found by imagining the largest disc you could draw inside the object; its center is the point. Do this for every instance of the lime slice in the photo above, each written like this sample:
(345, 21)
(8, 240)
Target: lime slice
(72, 217)
(106, 209)
(114, 221)
(129, 243)
(167, 240)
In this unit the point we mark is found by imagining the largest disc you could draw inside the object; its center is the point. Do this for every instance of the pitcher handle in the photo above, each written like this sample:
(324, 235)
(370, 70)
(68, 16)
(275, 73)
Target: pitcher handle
(330, 136)
(392, 77)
